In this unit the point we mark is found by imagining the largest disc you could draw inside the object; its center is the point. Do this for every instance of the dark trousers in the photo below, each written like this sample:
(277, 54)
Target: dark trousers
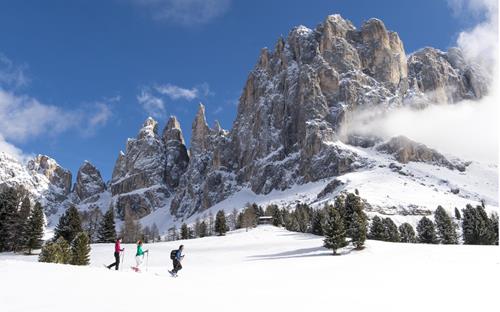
(177, 266)
(117, 261)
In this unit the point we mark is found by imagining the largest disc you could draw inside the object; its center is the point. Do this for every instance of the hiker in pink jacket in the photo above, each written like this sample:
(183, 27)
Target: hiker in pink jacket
(118, 249)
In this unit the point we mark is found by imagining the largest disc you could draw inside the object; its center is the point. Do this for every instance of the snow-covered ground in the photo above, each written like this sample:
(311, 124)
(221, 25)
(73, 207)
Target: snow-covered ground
(264, 269)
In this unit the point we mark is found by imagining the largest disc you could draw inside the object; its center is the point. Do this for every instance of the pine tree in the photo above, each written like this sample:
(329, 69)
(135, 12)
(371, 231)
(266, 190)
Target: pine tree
(339, 204)
(22, 224)
(426, 231)
(9, 219)
(476, 226)
(317, 222)
(34, 229)
(49, 252)
(184, 231)
(69, 225)
(407, 233)
(80, 249)
(358, 229)
(377, 229)
(391, 233)
(494, 228)
(457, 214)
(57, 251)
(446, 231)
(107, 229)
(334, 230)
(202, 229)
(220, 223)
(353, 205)
(64, 255)
(277, 217)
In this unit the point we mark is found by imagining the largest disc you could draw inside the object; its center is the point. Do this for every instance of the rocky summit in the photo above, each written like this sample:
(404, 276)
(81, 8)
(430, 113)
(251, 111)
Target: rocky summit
(287, 128)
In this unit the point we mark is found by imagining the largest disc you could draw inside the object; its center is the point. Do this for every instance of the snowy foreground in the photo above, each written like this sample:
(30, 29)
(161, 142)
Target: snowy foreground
(263, 269)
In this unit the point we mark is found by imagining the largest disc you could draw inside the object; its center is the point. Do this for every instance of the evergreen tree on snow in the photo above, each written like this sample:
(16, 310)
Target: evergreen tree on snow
(407, 233)
(458, 216)
(202, 230)
(391, 233)
(317, 222)
(476, 226)
(80, 249)
(58, 251)
(446, 231)
(69, 225)
(353, 205)
(426, 231)
(184, 231)
(49, 252)
(494, 228)
(334, 230)
(220, 223)
(34, 229)
(358, 229)
(22, 224)
(107, 229)
(9, 218)
(377, 229)
(277, 217)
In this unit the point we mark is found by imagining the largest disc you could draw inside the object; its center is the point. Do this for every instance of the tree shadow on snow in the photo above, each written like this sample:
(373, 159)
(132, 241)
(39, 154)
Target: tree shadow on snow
(301, 253)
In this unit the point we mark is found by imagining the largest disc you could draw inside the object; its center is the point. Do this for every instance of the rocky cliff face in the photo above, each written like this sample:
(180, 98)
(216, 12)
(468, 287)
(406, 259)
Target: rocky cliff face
(287, 129)
(88, 182)
(42, 178)
(297, 98)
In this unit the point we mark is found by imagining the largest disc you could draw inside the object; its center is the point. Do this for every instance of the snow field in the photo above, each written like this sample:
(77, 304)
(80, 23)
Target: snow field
(266, 268)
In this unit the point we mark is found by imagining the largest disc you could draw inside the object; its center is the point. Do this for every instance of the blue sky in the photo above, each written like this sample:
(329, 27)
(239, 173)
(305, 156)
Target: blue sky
(77, 78)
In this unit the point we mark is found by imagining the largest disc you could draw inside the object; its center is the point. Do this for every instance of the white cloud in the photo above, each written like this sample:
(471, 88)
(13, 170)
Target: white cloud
(186, 12)
(152, 104)
(22, 117)
(12, 150)
(153, 99)
(11, 74)
(176, 92)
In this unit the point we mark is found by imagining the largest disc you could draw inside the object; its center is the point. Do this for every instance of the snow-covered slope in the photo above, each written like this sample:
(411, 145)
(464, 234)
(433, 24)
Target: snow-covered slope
(264, 269)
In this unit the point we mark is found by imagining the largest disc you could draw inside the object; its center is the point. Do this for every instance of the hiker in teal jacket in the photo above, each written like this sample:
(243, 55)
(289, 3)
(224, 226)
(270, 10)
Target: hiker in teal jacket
(139, 256)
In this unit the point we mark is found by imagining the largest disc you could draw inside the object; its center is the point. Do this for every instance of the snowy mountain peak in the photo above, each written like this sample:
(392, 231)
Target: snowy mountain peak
(149, 129)
(49, 168)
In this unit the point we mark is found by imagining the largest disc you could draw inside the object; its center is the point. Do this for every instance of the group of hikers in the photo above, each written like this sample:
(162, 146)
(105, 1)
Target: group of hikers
(175, 255)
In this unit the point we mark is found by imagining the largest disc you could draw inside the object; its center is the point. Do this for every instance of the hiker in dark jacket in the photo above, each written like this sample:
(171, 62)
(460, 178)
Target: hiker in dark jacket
(118, 249)
(177, 261)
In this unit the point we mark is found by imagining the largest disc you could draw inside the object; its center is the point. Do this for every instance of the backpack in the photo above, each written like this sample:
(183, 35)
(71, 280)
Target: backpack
(173, 254)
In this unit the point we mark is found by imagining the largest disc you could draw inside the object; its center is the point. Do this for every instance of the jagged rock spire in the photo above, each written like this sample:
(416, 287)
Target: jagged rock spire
(173, 131)
(149, 129)
(201, 131)
(88, 181)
